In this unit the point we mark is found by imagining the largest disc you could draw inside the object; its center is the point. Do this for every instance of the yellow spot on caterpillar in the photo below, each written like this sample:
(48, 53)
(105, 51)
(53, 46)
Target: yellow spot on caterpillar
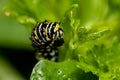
(53, 36)
(43, 29)
(61, 32)
(56, 28)
(44, 33)
(37, 23)
(46, 22)
(36, 37)
(42, 43)
(48, 39)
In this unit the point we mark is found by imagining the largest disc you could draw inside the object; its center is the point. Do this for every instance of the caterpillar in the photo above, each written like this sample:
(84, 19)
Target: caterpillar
(46, 37)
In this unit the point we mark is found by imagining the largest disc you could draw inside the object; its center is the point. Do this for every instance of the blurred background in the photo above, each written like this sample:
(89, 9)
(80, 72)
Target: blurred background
(16, 54)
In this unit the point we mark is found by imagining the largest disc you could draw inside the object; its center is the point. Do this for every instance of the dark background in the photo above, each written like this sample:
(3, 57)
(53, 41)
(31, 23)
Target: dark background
(16, 53)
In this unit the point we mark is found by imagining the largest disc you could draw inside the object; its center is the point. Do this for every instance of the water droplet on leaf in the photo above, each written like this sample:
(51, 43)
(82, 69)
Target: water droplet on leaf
(40, 72)
(69, 79)
(59, 72)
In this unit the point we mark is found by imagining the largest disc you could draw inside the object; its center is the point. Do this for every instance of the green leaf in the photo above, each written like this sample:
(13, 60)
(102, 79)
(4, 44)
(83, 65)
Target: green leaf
(96, 35)
(101, 59)
(46, 70)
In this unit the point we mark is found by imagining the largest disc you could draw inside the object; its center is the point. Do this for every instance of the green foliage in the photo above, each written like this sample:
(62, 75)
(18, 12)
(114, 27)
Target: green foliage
(91, 33)
(66, 70)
